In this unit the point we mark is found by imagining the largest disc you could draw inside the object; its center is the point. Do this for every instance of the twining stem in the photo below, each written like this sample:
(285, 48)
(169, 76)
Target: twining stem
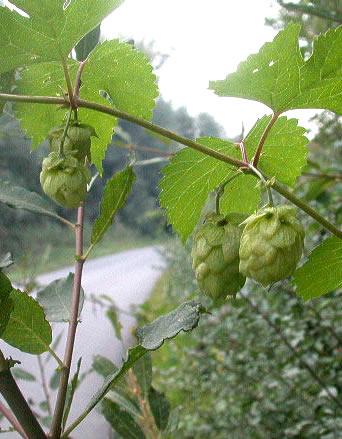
(68, 82)
(263, 138)
(264, 181)
(12, 420)
(65, 132)
(17, 403)
(173, 136)
(305, 207)
(55, 430)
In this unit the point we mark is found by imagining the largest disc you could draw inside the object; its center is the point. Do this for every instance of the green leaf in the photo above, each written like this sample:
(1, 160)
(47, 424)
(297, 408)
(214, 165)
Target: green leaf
(322, 273)
(6, 304)
(21, 374)
(160, 408)
(56, 299)
(123, 401)
(184, 318)
(20, 198)
(191, 176)
(285, 150)
(143, 372)
(103, 366)
(121, 421)
(27, 328)
(6, 82)
(126, 77)
(45, 79)
(279, 77)
(114, 198)
(112, 314)
(87, 44)
(50, 32)
(71, 392)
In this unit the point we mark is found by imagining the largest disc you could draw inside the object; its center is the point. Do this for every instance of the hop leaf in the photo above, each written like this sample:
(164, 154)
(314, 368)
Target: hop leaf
(271, 244)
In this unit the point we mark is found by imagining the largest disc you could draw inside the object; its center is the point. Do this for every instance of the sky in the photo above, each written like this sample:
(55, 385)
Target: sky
(205, 40)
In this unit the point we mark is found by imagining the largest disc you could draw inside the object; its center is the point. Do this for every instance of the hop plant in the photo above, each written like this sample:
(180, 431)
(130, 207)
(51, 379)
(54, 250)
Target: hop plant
(64, 179)
(215, 256)
(77, 140)
(271, 244)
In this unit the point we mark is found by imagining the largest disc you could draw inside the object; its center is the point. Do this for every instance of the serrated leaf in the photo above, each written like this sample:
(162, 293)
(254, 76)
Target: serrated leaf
(241, 195)
(322, 273)
(6, 304)
(27, 328)
(103, 366)
(50, 32)
(44, 79)
(113, 199)
(121, 421)
(20, 198)
(285, 150)
(143, 372)
(56, 299)
(279, 77)
(160, 408)
(127, 78)
(21, 374)
(184, 318)
(191, 176)
(113, 316)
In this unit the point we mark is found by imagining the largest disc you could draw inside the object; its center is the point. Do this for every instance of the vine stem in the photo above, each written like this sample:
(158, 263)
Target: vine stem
(65, 132)
(17, 403)
(264, 181)
(12, 420)
(173, 136)
(306, 208)
(263, 138)
(55, 431)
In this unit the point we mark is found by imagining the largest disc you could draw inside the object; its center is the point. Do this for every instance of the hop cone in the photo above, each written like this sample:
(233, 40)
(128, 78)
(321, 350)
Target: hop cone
(64, 179)
(271, 244)
(215, 256)
(77, 140)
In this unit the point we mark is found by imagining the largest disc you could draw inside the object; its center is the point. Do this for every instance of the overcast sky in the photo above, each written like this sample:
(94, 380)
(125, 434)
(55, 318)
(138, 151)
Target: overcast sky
(205, 41)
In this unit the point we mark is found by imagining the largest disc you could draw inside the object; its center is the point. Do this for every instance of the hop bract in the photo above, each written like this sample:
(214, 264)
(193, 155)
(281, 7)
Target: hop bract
(77, 140)
(271, 244)
(215, 255)
(64, 179)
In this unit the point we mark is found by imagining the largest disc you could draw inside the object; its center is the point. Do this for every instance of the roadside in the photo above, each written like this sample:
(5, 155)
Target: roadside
(47, 248)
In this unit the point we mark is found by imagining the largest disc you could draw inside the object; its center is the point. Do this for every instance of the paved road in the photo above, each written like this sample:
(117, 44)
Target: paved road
(128, 278)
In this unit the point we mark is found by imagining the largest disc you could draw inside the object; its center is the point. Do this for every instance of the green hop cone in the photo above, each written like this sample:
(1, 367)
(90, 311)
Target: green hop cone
(77, 140)
(64, 179)
(271, 244)
(215, 255)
